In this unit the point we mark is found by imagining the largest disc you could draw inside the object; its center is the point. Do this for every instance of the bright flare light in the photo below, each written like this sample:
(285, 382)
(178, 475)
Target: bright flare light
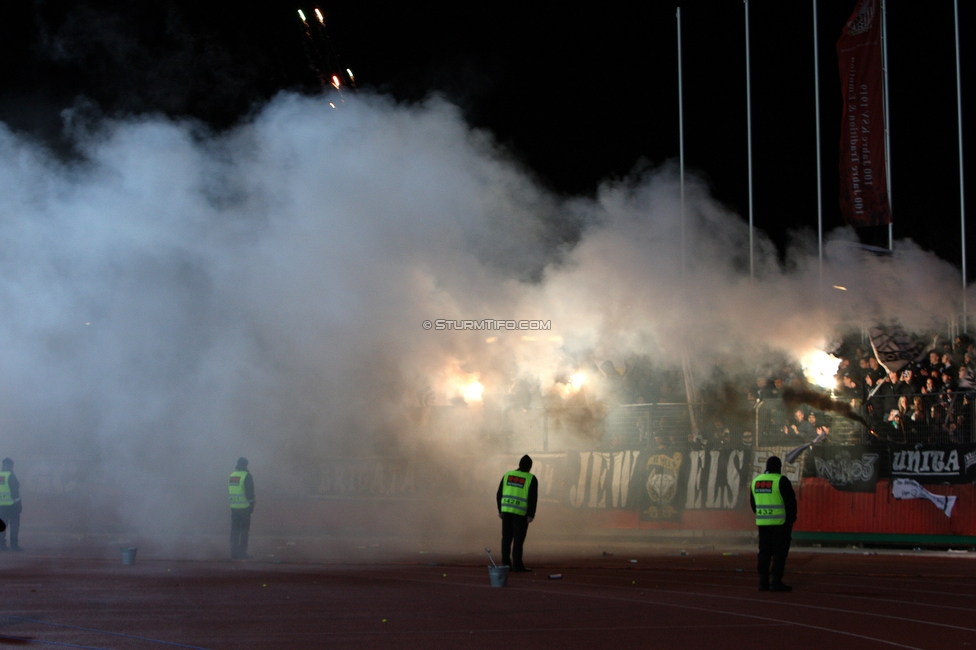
(473, 391)
(820, 368)
(318, 14)
(301, 14)
(335, 81)
(571, 387)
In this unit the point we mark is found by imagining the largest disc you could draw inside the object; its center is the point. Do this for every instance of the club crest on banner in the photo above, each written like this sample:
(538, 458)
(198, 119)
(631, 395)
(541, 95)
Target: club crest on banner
(662, 485)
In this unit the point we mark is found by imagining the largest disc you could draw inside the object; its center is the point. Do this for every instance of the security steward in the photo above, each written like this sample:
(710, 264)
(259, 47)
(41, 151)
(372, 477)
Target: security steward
(774, 503)
(241, 490)
(518, 494)
(10, 506)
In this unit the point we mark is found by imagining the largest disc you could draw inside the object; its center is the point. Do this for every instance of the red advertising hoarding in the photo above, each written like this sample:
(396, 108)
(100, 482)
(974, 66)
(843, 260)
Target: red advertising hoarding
(863, 179)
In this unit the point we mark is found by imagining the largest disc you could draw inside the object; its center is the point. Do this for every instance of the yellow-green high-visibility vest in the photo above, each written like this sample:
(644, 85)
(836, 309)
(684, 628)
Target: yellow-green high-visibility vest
(6, 496)
(515, 492)
(235, 487)
(770, 508)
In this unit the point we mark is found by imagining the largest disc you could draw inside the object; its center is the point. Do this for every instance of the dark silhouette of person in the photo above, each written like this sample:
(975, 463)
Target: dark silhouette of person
(517, 497)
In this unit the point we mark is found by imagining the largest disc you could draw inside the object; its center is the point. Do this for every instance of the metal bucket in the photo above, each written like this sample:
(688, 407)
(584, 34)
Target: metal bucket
(128, 555)
(498, 575)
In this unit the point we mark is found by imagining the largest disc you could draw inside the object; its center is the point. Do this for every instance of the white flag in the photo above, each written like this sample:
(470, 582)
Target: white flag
(906, 488)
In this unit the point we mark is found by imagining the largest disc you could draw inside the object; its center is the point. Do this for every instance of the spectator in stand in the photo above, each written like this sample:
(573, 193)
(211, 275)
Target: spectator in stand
(895, 429)
(808, 428)
(888, 392)
(965, 383)
(762, 389)
(875, 370)
(776, 390)
(904, 386)
(930, 391)
(969, 361)
(934, 365)
(918, 422)
(791, 430)
(948, 383)
(851, 388)
(948, 365)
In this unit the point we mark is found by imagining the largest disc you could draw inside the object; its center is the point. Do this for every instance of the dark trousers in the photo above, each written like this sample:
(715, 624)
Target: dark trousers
(514, 529)
(11, 516)
(240, 526)
(774, 545)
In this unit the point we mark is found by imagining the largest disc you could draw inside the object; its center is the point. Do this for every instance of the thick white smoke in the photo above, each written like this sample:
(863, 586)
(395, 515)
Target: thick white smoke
(177, 299)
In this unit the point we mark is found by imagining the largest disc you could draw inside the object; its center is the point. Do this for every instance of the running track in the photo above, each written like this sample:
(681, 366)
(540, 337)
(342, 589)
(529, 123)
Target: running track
(701, 600)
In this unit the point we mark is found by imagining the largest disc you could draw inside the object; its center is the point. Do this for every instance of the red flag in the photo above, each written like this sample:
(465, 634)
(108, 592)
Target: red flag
(863, 179)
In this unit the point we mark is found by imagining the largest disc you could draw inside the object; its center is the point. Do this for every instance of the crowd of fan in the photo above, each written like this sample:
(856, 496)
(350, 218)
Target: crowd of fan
(926, 401)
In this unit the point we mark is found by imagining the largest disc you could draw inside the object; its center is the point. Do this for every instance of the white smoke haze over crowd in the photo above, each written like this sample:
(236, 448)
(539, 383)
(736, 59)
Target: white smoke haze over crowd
(177, 299)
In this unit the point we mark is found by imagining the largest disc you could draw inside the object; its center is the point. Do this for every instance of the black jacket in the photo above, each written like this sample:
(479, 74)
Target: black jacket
(533, 496)
(789, 500)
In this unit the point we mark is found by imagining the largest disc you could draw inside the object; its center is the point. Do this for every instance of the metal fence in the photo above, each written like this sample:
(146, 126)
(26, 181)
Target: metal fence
(936, 420)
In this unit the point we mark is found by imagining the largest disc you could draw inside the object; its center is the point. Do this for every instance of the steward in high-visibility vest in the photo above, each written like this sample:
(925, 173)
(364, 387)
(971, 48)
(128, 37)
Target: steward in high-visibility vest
(517, 497)
(6, 496)
(235, 487)
(774, 503)
(10, 506)
(240, 487)
(770, 507)
(515, 492)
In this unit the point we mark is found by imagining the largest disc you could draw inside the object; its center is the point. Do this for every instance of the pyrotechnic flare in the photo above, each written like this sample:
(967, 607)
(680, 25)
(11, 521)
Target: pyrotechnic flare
(335, 81)
(301, 14)
(318, 14)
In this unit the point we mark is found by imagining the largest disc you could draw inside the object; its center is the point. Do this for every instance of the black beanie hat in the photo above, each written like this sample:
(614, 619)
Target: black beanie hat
(525, 463)
(774, 465)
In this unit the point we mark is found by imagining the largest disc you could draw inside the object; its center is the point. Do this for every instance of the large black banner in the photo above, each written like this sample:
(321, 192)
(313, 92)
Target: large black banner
(934, 463)
(849, 469)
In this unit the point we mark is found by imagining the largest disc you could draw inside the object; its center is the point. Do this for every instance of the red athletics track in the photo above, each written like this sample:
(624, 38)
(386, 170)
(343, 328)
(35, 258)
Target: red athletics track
(701, 600)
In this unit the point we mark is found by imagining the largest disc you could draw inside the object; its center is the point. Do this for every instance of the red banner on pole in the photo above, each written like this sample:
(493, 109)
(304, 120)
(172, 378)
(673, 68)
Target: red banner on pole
(863, 178)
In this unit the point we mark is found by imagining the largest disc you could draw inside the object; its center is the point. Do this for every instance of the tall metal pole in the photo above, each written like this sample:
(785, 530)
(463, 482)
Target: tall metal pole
(749, 137)
(681, 144)
(816, 94)
(685, 365)
(962, 184)
(887, 115)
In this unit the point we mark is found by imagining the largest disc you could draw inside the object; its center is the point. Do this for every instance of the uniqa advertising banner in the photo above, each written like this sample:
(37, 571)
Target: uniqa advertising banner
(934, 463)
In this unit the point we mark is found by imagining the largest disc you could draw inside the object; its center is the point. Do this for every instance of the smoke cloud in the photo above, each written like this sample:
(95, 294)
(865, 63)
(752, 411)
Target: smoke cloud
(176, 298)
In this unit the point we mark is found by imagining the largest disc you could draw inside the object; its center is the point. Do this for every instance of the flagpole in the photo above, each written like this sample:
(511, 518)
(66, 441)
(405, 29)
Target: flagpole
(749, 138)
(887, 114)
(816, 94)
(685, 365)
(962, 186)
(681, 144)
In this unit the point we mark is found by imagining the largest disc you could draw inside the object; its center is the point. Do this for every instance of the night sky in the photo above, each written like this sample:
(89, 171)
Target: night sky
(578, 96)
